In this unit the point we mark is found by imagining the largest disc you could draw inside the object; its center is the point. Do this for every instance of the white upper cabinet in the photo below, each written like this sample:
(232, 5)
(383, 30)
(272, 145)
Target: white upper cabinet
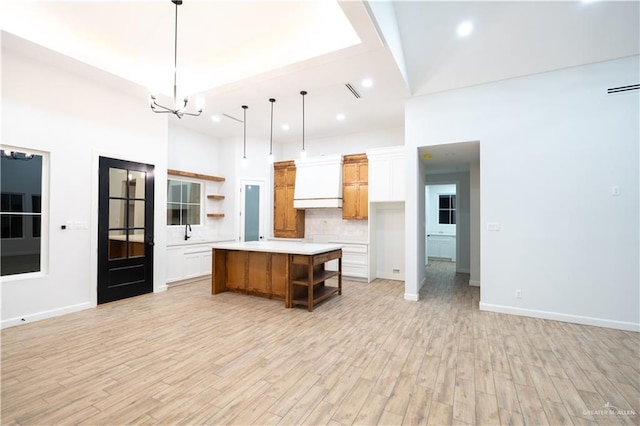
(386, 174)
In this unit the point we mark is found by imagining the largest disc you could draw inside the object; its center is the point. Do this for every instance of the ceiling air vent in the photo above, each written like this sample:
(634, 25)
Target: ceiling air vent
(353, 90)
(623, 89)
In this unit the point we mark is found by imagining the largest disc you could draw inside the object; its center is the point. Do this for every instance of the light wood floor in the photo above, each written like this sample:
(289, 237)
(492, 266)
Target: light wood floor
(367, 357)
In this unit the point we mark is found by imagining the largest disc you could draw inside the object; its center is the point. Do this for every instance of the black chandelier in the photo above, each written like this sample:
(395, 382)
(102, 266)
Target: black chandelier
(153, 98)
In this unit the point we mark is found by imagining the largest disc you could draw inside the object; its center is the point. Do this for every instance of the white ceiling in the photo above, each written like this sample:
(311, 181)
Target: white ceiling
(250, 51)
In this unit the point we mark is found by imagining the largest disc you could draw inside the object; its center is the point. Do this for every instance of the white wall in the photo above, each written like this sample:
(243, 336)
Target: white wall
(474, 223)
(415, 221)
(75, 119)
(198, 153)
(355, 143)
(192, 151)
(553, 130)
(256, 168)
(389, 239)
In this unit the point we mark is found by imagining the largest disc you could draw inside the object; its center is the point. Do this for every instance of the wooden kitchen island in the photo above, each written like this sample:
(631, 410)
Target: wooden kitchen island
(291, 271)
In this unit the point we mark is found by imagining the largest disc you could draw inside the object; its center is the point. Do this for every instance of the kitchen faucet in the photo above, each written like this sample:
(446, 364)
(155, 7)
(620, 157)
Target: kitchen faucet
(187, 229)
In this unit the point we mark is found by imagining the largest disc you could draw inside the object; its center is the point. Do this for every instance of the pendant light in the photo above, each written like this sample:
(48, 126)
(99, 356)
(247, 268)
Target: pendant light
(178, 110)
(303, 153)
(244, 143)
(270, 157)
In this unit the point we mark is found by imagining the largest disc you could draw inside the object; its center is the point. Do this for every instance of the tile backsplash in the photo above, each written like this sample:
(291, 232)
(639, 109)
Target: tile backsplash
(328, 225)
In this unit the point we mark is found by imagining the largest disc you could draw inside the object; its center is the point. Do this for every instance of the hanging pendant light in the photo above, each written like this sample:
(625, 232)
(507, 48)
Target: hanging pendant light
(244, 143)
(303, 153)
(270, 156)
(179, 111)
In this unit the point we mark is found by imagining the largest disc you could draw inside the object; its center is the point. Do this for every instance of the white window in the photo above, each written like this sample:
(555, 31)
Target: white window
(183, 202)
(21, 216)
(447, 209)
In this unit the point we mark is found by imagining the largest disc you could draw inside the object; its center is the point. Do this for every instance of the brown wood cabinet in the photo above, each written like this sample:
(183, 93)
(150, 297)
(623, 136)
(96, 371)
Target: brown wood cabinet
(355, 187)
(287, 221)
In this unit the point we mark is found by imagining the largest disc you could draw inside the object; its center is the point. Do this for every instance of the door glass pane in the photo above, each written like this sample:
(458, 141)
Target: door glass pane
(117, 183)
(117, 244)
(136, 184)
(117, 214)
(136, 242)
(251, 212)
(136, 214)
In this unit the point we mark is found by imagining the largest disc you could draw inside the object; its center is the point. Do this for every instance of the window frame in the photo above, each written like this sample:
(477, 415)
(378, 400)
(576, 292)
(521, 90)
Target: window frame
(452, 211)
(201, 204)
(44, 236)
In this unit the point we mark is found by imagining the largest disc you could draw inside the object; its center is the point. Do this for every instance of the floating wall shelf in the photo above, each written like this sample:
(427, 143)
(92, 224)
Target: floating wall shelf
(195, 175)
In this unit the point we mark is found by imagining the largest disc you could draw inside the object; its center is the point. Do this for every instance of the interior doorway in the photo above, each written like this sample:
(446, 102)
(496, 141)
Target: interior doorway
(458, 164)
(441, 222)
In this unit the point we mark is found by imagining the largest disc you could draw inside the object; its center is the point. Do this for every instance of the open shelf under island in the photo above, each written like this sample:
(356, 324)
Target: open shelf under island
(292, 271)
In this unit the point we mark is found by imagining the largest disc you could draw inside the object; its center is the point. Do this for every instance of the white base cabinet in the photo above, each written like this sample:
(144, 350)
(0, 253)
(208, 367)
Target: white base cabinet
(441, 246)
(355, 261)
(188, 262)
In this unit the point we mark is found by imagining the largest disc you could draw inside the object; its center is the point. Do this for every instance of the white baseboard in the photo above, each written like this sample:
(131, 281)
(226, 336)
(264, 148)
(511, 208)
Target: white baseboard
(557, 316)
(415, 296)
(463, 271)
(160, 289)
(26, 319)
(410, 296)
(474, 283)
(387, 276)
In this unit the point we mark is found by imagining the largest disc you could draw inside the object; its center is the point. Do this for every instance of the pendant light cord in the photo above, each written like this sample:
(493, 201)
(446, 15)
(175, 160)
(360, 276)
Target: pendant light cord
(271, 136)
(244, 122)
(175, 61)
(303, 93)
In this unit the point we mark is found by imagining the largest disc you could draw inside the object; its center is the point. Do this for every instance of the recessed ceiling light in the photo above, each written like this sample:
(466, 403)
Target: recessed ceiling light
(465, 28)
(285, 127)
(340, 117)
(215, 118)
(367, 82)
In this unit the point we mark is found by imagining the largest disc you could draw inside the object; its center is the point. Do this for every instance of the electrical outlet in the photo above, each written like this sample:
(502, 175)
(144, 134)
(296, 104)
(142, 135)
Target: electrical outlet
(518, 294)
(615, 190)
(493, 226)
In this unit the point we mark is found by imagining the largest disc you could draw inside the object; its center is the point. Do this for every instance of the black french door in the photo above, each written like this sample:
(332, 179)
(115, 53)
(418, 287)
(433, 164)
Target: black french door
(125, 229)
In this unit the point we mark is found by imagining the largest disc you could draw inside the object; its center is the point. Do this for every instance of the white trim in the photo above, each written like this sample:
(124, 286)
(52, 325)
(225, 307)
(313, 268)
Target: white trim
(410, 296)
(44, 315)
(463, 271)
(557, 316)
(160, 288)
(474, 283)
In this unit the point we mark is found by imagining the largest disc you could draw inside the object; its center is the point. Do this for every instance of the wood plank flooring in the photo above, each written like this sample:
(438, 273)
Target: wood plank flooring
(366, 357)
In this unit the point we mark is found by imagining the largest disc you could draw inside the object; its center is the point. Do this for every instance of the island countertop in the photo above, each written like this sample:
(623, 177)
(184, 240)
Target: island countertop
(287, 247)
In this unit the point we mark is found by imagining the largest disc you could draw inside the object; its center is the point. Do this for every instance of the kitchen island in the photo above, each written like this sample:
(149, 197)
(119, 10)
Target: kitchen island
(291, 271)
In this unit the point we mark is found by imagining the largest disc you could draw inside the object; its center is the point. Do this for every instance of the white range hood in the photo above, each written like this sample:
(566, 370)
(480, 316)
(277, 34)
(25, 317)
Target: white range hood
(318, 183)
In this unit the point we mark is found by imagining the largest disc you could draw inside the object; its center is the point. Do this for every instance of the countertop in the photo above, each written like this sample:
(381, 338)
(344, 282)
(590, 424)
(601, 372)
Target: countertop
(287, 247)
(195, 241)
